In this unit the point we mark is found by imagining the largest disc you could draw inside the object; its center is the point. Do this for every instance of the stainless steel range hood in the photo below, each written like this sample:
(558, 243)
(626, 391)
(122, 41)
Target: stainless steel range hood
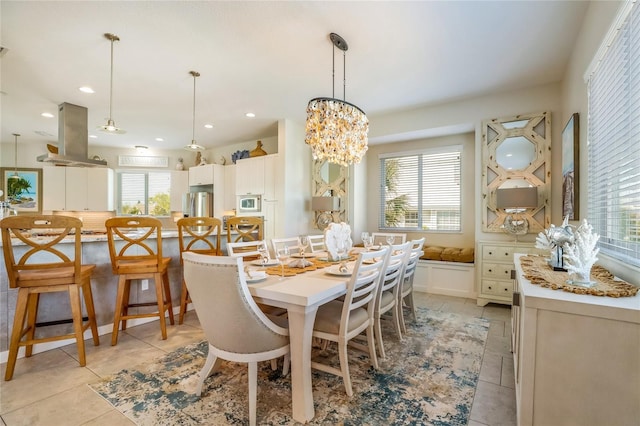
(73, 139)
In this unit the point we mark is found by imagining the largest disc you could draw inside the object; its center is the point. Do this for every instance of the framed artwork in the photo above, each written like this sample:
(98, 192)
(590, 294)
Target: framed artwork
(24, 192)
(570, 165)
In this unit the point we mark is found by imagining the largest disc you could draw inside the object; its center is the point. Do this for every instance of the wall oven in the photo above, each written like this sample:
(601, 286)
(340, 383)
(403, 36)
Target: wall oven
(249, 204)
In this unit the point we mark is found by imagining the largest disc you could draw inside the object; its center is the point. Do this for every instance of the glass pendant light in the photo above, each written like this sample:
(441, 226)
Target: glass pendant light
(193, 146)
(111, 127)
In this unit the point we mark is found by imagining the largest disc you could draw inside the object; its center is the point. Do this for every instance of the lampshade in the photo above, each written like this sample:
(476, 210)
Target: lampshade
(336, 130)
(517, 198)
(325, 204)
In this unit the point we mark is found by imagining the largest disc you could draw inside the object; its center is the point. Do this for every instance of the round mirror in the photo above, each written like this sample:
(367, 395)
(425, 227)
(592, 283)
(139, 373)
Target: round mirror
(515, 153)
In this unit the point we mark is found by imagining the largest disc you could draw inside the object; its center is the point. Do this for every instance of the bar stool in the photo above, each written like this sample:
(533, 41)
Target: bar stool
(136, 256)
(194, 235)
(247, 228)
(38, 263)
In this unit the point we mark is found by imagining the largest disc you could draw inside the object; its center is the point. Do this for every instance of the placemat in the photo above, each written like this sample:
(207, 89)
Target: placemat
(537, 271)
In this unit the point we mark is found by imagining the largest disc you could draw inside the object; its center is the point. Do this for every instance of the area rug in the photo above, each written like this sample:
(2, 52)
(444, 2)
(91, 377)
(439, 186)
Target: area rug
(429, 378)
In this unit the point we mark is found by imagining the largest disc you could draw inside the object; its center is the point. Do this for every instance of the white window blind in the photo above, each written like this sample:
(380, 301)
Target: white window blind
(421, 191)
(145, 193)
(614, 143)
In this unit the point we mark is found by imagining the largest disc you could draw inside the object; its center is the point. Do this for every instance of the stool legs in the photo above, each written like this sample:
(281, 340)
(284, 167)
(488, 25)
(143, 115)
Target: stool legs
(160, 296)
(16, 333)
(184, 301)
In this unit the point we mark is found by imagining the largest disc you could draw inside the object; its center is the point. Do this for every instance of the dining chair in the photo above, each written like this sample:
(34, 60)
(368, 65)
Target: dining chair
(342, 321)
(316, 243)
(292, 242)
(197, 235)
(381, 237)
(389, 289)
(38, 263)
(245, 228)
(236, 329)
(135, 249)
(248, 250)
(406, 287)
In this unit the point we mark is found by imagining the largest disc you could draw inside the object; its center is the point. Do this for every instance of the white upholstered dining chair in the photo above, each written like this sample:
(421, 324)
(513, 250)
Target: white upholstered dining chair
(341, 321)
(236, 329)
(406, 287)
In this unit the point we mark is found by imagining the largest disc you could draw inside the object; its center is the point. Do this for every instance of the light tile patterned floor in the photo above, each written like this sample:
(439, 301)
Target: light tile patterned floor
(50, 389)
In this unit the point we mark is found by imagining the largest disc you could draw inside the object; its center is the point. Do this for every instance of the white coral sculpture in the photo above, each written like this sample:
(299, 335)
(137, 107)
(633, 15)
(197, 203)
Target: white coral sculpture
(582, 254)
(543, 242)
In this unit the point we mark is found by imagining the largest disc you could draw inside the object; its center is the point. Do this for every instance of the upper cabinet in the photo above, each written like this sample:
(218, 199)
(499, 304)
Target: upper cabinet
(202, 175)
(250, 175)
(78, 188)
(516, 153)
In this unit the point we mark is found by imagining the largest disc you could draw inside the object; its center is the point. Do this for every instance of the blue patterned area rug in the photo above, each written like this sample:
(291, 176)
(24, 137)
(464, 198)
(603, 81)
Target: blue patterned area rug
(427, 379)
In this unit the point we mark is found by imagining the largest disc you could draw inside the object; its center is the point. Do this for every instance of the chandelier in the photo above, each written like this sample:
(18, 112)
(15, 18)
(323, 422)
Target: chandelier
(336, 130)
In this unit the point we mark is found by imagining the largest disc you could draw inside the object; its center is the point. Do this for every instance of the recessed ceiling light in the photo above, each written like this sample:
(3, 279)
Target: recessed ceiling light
(208, 126)
(250, 115)
(159, 140)
(93, 136)
(86, 89)
(141, 147)
(47, 115)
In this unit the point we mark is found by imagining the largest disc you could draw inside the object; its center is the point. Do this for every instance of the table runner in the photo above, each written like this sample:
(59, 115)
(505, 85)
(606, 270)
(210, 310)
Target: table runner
(537, 271)
(315, 264)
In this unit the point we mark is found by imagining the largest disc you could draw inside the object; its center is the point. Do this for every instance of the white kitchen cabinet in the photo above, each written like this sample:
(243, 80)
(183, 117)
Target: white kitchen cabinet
(179, 187)
(270, 172)
(493, 271)
(250, 175)
(229, 187)
(78, 189)
(201, 175)
(575, 357)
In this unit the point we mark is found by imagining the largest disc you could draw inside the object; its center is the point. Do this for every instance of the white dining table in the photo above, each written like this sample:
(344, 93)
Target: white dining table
(300, 295)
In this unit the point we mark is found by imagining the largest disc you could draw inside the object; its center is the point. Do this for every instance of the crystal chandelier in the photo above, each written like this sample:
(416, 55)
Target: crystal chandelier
(336, 130)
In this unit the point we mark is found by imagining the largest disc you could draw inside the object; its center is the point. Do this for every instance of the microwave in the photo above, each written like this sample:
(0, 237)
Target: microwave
(249, 203)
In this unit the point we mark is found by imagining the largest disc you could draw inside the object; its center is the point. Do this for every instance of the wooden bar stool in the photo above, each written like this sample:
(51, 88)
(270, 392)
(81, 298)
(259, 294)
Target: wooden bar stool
(135, 256)
(37, 263)
(195, 235)
(246, 228)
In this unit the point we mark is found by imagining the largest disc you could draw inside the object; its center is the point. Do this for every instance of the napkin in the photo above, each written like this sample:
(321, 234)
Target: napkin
(335, 233)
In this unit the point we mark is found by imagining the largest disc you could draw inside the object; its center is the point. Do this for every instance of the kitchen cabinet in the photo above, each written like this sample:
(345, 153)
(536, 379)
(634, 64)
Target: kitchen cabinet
(270, 172)
(229, 187)
(493, 273)
(250, 175)
(179, 187)
(207, 174)
(575, 357)
(78, 188)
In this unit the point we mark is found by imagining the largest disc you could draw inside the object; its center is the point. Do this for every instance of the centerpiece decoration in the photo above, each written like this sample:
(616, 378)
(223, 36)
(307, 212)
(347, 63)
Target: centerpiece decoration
(556, 239)
(581, 255)
(337, 238)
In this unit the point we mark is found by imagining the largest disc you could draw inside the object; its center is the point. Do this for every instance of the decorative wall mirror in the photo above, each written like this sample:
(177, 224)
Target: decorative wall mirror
(516, 153)
(331, 180)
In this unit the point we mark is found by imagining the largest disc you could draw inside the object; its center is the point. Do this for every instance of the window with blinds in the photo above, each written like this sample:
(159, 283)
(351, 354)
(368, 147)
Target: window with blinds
(144, 193)
(421, 190)
(614, 140)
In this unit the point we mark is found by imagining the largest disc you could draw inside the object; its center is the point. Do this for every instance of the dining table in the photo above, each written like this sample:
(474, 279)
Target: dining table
(301, 295)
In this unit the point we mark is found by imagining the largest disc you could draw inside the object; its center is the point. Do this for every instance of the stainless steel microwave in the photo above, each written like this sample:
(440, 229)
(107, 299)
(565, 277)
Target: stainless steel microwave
(249, 203)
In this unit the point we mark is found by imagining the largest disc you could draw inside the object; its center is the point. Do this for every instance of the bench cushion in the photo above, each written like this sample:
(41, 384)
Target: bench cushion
(448, 254)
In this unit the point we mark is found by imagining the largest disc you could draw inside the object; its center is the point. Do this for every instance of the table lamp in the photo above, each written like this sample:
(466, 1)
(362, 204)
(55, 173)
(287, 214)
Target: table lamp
(514, 201)
(324, 205)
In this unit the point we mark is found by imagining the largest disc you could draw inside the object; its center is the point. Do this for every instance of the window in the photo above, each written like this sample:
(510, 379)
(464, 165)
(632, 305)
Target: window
(614, 140)
(144, 193)
(421, 190)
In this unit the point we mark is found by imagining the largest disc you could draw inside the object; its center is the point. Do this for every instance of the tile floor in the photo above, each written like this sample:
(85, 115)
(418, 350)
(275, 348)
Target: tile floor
(50, 389)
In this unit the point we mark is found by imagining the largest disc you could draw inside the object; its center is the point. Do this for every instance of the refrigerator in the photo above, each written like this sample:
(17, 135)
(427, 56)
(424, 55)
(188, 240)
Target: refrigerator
(197, 204)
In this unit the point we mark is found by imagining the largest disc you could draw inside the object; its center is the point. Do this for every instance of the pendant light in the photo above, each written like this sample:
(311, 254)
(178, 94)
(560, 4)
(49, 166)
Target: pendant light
(336, 130)
(193, 146)
(15, 159)
(111, 127)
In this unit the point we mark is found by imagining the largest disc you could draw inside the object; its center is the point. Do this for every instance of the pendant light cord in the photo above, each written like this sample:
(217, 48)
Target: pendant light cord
(193, 124)
(111, 85)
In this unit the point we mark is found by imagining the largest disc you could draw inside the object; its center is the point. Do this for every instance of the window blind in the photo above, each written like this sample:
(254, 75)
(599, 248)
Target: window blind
(614, 143)
(421, 191)
(145, 193)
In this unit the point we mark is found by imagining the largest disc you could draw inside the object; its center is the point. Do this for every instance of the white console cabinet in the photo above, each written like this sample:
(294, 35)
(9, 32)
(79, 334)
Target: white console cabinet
(576, 357)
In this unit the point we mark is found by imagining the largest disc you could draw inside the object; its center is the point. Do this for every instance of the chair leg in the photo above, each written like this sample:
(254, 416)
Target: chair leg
(210, 365)
(253, 391)
(344, 367)
(371, 342)
(184, 297)
(168, 302)
(412, 305)
(396, 320)
(32, 316)
(91, 312)
(378, 330)
(401, 315)
(16, 333)
(287, 363)
(157, 278)
(76, 314)
(274, 364)
(125, 303)
(117, 316)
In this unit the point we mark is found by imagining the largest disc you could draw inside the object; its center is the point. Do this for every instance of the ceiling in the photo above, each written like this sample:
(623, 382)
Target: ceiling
(264, 57)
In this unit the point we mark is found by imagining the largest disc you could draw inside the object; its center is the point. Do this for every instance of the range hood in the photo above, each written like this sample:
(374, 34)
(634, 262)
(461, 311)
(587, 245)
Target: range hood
(73, 139)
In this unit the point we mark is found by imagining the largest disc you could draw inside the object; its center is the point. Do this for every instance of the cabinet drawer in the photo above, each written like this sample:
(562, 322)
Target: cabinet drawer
(497, 253)
(497, 288)
(497, 270)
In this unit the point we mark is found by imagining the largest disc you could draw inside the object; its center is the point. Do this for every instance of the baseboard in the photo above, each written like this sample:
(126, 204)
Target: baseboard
(102, 330)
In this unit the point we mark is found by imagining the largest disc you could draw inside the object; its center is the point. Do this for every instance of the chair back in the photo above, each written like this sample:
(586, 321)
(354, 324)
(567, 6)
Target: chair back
(363, 285)
(316, 243)
(394, 268)
(195, 234)
(130, 245)
(248, 250)
(32, 247)
(230, 318)
(380, 238)
(292, 242)
(247, 228)
(416, 252)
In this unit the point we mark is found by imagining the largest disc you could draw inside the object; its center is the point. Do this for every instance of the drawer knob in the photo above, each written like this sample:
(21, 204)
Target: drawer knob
(490, 253)
(506, 254)
(507, 272)
(490, 270)
(490, 288)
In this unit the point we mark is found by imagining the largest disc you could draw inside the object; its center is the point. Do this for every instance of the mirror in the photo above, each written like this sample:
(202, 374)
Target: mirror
(331, 180)
(516, 153)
